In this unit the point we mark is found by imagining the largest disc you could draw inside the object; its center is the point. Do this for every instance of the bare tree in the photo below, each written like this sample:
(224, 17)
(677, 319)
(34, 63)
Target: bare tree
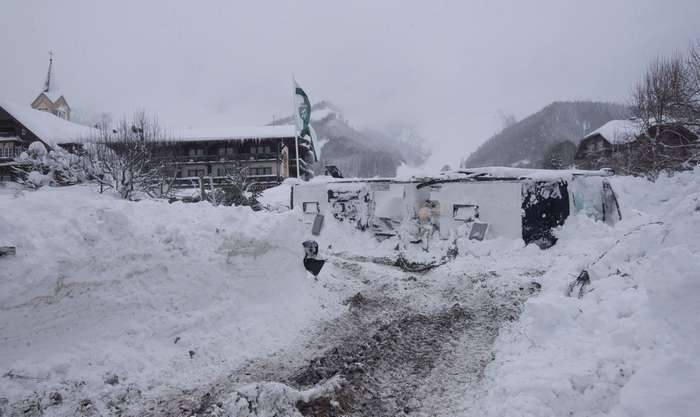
(131, 158)
(667, 99)
(237, 190)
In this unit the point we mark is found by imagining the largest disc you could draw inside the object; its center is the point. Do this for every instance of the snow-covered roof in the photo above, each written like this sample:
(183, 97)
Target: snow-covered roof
(476, 174)
(52, 95)
(527, 173)
(619, 132)
(49, 128)
(233, 132)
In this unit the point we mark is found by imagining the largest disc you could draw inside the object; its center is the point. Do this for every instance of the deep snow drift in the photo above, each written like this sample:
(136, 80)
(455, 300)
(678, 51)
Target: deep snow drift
(101, 287)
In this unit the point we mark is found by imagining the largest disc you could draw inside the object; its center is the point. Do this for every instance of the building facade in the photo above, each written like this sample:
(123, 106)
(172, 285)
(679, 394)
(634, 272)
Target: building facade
(264, 155)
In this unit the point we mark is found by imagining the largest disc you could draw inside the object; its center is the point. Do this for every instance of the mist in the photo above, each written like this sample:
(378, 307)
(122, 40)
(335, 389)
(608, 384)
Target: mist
(451, 70)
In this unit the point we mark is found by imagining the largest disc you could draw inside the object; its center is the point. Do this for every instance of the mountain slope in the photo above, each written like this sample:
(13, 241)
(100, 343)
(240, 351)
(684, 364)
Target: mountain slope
(524, 143)
(360, 153)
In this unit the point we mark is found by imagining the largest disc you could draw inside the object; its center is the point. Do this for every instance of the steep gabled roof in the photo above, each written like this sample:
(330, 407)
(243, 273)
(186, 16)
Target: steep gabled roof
(51, 129)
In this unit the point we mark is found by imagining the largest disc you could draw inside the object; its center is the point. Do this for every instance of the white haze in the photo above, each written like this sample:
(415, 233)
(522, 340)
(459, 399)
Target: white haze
(447, 68)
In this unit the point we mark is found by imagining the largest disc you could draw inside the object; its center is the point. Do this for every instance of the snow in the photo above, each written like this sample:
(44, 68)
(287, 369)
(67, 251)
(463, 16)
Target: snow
(619, 132)
(49, 128)
(103, 286)
(53, 95)
(100, 285)
(233, 132)
(526, 173)
(277, 198)
(320, 114)
(630, 346)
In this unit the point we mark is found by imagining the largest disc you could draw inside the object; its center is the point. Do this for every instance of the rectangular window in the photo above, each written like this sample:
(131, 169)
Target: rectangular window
(465, 212)
(227, 151)
(260, 171)
(261, 149)
(196, 152)
(311, 207)
(195, 173)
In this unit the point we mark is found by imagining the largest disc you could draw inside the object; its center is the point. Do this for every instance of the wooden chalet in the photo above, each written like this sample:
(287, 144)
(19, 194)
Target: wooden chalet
(627, 147)
(265, 154)
(21, 125)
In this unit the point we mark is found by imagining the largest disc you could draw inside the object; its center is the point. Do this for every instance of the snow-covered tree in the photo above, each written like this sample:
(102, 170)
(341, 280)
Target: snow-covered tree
(38, 167)
(127, 159)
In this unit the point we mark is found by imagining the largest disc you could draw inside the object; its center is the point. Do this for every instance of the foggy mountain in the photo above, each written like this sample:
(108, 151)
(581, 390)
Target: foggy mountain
(361, 153)
(524, 143)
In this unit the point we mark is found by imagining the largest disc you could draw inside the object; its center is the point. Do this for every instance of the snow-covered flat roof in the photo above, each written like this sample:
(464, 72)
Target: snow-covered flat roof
(619, 132)
(231, 133)
(49, 128)
(475, 174)
(528, 173)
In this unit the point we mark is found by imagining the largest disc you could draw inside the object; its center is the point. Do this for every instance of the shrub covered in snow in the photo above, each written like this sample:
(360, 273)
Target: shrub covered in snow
(38, 167)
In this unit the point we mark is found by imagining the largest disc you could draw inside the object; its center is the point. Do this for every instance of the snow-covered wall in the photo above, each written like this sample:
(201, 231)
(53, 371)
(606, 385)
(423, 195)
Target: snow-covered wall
(499, 204)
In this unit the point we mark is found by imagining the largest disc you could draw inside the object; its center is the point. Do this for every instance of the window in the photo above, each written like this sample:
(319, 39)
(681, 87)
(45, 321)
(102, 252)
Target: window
(261, 149)
(465, 212)
(227, 151)
(196, 152)
(195, 173)
(260, 171)
(311, 207)
(9, 151)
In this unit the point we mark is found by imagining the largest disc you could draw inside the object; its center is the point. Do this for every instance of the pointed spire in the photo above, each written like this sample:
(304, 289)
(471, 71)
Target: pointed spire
(49, 74)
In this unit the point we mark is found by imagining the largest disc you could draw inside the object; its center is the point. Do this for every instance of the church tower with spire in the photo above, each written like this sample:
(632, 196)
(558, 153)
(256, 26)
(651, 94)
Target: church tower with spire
(50, 98)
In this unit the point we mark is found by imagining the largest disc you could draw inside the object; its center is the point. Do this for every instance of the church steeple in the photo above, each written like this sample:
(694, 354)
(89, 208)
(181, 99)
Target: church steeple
(50, 98)
(49, 74)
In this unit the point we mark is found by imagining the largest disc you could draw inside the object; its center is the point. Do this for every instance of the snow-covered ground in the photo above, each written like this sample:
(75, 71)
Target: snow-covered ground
(102, 287)
(631, 345)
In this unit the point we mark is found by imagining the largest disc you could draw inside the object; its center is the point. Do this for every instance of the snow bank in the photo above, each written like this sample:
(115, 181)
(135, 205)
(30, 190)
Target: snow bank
(630, 346)
(105, 286)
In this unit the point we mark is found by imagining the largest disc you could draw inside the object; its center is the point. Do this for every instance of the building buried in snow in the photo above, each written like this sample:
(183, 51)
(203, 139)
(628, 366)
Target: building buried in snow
(475, 203)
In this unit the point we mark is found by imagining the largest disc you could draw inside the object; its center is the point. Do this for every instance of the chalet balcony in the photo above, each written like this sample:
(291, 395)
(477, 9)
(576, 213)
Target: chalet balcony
(219, 158)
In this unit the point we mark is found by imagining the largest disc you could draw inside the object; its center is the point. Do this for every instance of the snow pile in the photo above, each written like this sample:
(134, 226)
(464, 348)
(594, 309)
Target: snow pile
(162, 295)
(271, 399)
(630, 346)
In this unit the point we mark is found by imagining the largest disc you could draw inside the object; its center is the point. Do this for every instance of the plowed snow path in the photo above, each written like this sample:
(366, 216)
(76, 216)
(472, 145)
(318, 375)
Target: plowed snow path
(406, 345)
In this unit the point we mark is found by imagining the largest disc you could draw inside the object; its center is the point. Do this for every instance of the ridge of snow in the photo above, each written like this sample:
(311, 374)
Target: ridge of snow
(232, 132)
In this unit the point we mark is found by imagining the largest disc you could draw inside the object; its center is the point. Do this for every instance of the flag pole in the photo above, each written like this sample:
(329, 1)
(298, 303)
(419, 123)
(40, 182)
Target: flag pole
(296, 127)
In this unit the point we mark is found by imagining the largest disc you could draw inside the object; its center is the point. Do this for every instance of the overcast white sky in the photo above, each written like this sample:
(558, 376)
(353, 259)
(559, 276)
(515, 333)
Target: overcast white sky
(448, 67)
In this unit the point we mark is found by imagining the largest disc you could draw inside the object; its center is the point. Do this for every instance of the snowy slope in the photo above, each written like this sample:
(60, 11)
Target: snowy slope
(103, 286)
(630, 346)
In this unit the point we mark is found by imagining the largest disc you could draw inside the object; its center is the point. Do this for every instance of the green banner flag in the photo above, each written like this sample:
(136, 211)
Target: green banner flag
(303, 113)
